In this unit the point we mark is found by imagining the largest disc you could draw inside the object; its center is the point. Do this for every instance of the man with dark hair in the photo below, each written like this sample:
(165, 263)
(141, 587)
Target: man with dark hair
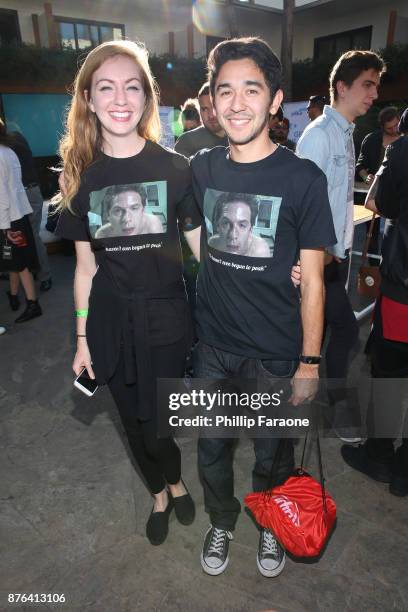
(206, 136)
(233, 218)
(281, 133)
(190, 116)
(374, 144)
(123, 213)
(249, 317)
(328, 141)
(315, 106)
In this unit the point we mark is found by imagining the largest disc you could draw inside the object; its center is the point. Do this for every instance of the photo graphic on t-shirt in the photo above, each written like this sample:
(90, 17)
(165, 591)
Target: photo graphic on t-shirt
(128, 210)
(241, 223)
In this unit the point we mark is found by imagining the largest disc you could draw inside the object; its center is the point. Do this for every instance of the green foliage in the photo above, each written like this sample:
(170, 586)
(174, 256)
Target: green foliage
(27, 65)
(33, 66)
(178, 77)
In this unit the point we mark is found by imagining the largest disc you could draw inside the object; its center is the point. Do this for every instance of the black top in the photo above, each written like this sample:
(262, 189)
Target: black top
(257, 218)
(392, 202)
(371, 153)
(128, 210)
(22, 149)
(195, 140)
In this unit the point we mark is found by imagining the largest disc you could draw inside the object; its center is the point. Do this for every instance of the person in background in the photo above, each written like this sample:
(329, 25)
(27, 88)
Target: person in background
(208, 135)
(190, 115)
(281, 132)
(328, 141)
(388, 196)
(371, 155)
(374, 144)
(18, 254)
(22, 149)
(273, 122)
(315, 107)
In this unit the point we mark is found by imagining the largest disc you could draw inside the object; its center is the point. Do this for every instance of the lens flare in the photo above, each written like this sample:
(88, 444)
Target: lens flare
(208, 17)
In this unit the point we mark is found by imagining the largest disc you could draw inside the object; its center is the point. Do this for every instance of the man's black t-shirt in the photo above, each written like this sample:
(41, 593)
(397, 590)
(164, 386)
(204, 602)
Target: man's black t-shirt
(129, 210)
(257, 217)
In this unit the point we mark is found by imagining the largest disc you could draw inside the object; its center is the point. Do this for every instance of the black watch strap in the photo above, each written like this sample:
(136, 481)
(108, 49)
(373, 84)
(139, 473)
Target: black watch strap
(310, 359)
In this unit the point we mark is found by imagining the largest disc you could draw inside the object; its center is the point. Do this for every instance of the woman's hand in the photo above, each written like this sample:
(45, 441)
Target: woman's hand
(83, 359)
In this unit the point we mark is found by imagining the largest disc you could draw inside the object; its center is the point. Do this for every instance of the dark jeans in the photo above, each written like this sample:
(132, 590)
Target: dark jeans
(389, 359)
(215, 456)
(159, 459)
(339, 320)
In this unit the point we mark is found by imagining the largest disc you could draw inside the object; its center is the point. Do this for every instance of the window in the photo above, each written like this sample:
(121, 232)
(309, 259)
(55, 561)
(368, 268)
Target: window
(82, 34)
(331, 47)
(9, 27)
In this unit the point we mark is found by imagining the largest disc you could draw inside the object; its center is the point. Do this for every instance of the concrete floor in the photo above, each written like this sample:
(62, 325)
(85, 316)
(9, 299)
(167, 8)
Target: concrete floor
(73, 510)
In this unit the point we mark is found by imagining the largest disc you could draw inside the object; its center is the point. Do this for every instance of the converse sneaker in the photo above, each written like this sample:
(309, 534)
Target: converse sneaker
(271, 556)
(214, 556)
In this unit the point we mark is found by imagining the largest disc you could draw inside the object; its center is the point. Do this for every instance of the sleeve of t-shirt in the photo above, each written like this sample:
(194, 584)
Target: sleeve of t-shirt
(73, 225)
(387, 198)
(5, 199)
(188, 213)
(315, 221)
(314, 145)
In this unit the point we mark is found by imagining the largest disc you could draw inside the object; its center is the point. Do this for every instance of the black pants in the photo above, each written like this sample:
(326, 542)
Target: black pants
(159, 459)
(339, 320)
(389, 360)
(215, 455)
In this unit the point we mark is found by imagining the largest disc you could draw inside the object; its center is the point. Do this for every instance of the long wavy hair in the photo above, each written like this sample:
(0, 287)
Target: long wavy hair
(83, 140)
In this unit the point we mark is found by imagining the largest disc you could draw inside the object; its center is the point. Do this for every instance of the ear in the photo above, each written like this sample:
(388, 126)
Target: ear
(341, 88)
(89, 100)
(276, 102)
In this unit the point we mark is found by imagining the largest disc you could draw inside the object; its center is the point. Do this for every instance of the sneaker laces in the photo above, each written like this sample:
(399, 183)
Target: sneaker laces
(269, 544)
(217, 541)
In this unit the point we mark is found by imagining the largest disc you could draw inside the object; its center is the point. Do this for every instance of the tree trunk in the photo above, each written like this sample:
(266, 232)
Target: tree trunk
(287, 47)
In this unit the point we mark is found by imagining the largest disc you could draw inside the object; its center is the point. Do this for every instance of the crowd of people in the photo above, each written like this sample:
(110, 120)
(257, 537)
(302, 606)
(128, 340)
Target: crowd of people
(236, 187)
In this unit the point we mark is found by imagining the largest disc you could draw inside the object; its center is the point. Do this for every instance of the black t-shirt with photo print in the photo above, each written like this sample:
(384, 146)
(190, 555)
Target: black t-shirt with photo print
(129, 211)
(257, 217)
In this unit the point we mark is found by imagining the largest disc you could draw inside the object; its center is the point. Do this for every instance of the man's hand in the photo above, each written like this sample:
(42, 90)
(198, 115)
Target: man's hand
(305, 384)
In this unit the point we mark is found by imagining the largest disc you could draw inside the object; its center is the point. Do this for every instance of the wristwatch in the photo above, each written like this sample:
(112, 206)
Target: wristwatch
(310, 359)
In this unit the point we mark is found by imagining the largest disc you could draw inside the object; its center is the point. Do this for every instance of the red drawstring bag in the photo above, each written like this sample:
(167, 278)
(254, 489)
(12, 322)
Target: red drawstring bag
(300, 513)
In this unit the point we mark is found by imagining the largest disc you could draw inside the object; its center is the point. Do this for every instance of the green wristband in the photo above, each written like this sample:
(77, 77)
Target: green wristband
(81, 313)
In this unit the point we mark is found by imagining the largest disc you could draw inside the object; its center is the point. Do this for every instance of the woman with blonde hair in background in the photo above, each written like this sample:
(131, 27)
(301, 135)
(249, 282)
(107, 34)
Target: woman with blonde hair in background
(132, 314)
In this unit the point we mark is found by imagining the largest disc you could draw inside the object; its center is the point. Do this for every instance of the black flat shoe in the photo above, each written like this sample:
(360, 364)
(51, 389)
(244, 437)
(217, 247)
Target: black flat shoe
(33, 310)
(399, 485)
(14, 301)
(358, 459)
(157, 527)
(184, 508)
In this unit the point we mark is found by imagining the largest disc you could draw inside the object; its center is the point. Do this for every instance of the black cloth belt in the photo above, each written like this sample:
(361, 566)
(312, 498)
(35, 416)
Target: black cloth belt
(132, 309)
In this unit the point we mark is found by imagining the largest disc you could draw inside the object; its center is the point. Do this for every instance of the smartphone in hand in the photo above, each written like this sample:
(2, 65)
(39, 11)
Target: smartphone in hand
(85, 383)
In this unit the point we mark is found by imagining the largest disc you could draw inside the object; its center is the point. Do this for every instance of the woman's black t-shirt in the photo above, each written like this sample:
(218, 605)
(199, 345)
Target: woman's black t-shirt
(129, 210)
